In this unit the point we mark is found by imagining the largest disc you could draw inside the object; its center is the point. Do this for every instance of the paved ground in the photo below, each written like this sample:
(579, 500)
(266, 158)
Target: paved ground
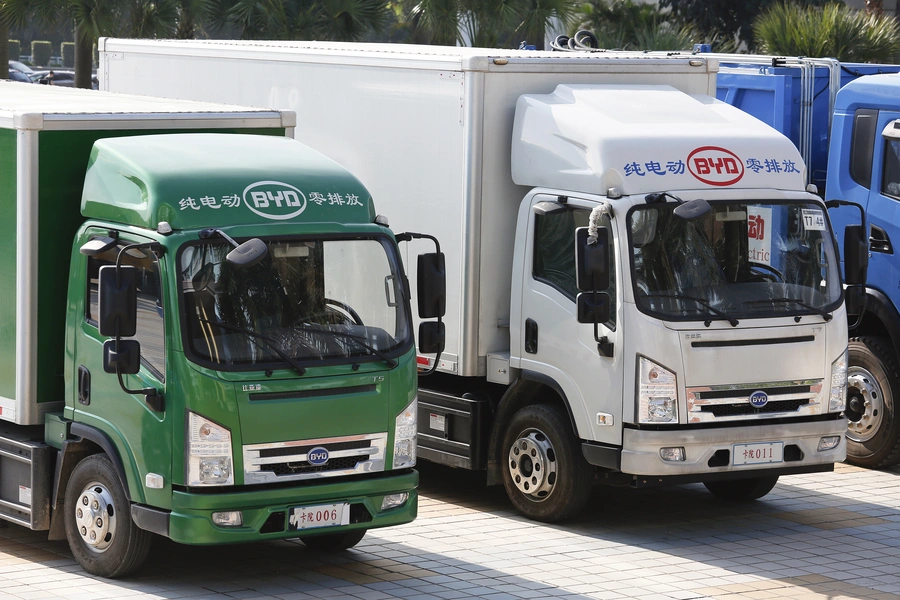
(828, 536)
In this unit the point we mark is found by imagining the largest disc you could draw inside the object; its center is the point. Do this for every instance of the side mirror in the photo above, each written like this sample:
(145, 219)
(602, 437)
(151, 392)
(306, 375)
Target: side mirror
(692, 210)
(247, 254)
(593, 308)
(432, 336)
(125, 360)
(118, 301)
(592, 260)
(856, 255)
(432, 285)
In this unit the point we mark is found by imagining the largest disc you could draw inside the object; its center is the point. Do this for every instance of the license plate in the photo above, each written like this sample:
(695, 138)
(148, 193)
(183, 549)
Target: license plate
(755, 454)
(323, 515)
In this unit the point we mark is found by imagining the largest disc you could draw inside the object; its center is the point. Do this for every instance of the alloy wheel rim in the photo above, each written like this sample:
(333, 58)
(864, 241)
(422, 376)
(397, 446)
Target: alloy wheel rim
(532, 465)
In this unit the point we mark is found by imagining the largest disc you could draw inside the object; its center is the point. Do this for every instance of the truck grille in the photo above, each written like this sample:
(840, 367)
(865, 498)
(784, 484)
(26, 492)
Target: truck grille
(289, 461)
(732, 402)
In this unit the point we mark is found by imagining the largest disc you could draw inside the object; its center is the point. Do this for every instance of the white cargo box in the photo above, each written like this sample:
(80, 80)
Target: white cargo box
(426, 129)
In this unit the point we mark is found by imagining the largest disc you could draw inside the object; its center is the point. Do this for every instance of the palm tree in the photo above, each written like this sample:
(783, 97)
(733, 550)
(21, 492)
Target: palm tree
(339, 20)
(835, 31)
(539, 15)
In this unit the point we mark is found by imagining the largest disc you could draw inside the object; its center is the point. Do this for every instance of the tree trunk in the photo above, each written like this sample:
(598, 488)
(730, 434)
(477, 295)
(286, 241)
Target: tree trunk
(84, 60)
(874, 7)
(4, 50)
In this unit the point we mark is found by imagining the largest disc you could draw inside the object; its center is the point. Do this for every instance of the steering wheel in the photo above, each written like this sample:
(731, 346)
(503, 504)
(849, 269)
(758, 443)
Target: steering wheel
(335, 311)
(770, 274)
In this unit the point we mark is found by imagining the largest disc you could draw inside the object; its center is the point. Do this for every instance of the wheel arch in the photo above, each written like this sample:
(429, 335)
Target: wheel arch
(530, 388)
(87, 442)
(880, 317)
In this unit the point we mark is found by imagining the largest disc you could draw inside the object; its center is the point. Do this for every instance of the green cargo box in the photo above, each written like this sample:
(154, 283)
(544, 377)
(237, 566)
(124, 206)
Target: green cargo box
(46, 135)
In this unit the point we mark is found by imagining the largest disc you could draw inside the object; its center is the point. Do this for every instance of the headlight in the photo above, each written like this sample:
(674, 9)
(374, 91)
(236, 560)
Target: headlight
(657, 393)
(405, 436)
(838, 398)
(208, 453)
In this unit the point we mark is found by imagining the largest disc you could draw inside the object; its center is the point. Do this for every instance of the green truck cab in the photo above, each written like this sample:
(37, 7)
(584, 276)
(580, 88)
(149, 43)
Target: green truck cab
(217, 349)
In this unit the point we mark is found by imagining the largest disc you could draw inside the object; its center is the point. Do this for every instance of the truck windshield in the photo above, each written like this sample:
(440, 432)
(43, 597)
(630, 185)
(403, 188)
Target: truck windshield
(309, 301)
(739, 261)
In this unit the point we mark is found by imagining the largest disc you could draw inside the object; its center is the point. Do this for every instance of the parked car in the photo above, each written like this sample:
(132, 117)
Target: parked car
(15, 75)
(20, 67)
(62, 78)
(54, 77)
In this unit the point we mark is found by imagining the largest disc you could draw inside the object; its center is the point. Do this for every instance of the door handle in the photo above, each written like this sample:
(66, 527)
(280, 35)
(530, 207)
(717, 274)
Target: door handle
(879, 240)
(531, 336)
(84, 385)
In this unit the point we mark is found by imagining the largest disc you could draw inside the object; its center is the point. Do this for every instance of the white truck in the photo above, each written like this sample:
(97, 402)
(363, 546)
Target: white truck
(641, 289)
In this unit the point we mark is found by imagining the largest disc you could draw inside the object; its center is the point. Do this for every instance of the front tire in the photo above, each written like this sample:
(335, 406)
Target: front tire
(873, 433)
(101, 534)
(334, 542)
(546, 476)
(741, 490)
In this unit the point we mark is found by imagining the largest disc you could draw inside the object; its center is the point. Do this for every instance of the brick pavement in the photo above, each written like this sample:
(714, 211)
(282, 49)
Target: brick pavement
(833, 536)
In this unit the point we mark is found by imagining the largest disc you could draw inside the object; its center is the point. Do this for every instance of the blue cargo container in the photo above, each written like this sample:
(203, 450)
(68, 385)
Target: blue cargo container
(774, 96)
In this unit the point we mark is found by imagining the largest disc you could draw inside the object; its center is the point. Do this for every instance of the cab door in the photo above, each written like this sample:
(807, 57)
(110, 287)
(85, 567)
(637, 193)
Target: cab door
(553, 342)
(141, 435)
(883, 208)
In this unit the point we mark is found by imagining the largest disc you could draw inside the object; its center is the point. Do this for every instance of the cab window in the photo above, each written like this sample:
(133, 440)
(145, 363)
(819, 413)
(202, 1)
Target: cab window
(554, 253)
(150, 323)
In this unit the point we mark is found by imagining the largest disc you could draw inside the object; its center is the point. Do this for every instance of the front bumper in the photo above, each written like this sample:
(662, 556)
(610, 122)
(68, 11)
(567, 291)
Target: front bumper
(266, 512)
(640, 448)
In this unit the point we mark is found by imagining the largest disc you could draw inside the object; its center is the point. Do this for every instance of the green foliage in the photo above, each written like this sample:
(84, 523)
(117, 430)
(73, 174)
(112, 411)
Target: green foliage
(498, 23)
(15, 49)
(41, 52)
(724, 18)
(336, 20)
(627, 25)
(67, 51)
(834, 31)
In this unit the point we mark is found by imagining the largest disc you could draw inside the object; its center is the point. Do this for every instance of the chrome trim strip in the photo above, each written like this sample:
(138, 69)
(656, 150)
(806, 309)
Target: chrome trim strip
(741, 394)
(253, 462)
(276, 460)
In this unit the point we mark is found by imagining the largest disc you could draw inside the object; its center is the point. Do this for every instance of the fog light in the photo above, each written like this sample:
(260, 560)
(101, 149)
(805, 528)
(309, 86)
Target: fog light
(394, 500)
(232, 518)
(672, 454)
(829, 443)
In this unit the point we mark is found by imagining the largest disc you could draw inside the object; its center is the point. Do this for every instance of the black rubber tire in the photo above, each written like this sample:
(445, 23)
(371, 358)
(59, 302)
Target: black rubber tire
(574, 476)
(741, 490)
(129, 546)
(334, 542)
(882, 449)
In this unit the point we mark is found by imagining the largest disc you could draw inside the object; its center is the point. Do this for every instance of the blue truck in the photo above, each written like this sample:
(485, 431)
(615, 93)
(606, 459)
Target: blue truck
(845, 119)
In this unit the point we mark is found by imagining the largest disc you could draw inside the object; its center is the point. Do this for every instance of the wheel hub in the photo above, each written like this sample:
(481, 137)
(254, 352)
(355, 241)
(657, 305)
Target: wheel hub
(532, 465)
(865, 405)
(95, 517)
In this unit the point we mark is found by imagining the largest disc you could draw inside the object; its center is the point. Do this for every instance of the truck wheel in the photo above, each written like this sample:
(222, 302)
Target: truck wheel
(334, 542)
(546, 476)
(873, 432)
(741, 490)
(102, 536)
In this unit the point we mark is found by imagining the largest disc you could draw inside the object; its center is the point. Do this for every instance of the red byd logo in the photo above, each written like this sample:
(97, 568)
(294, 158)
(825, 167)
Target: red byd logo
(715, 166)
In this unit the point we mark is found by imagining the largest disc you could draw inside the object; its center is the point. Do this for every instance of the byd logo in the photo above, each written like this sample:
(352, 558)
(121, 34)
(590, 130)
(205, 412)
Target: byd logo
(317, 456)
(759, 398)
(715, 166)
(274, 200)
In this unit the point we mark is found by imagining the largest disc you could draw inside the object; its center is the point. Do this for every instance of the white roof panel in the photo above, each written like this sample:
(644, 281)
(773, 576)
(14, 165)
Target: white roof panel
(34, 106)
(646, 138)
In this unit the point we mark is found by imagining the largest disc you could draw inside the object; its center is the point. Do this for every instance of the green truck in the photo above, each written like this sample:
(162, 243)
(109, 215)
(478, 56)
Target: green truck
(205, 331)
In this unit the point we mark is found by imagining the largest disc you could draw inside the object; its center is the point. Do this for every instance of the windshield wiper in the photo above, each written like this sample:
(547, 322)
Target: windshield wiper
(822, 313)
(702, 302)
(272, 344)
(359, 340)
